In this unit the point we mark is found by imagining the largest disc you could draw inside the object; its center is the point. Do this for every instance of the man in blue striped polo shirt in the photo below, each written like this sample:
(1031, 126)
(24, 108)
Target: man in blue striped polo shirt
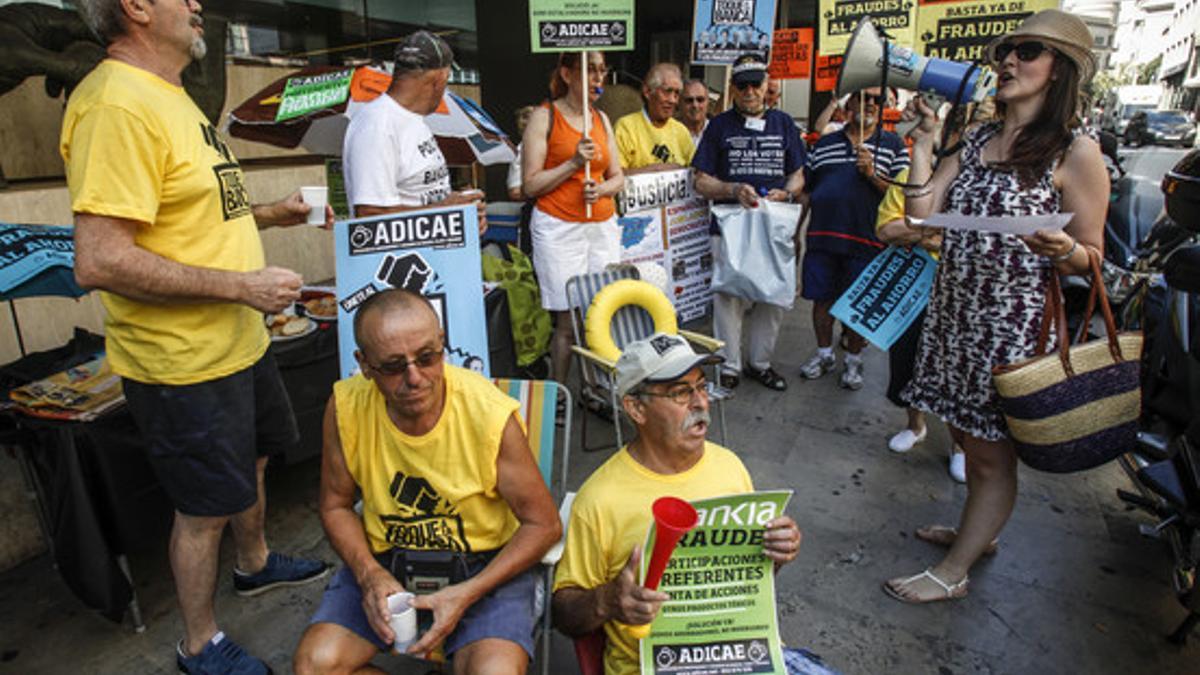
(845, 178)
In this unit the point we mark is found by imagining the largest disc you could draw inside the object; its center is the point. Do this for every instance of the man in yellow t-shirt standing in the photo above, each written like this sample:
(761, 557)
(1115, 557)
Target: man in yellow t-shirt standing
(663, 391)
(453, 506)
(652, 139)
(165, 228)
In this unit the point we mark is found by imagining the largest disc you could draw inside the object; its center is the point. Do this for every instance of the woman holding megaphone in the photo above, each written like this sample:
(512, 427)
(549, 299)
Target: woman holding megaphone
(987, 301)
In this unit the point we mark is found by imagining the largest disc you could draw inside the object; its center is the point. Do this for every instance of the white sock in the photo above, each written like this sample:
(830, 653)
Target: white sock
(825, 352)
(854, 358)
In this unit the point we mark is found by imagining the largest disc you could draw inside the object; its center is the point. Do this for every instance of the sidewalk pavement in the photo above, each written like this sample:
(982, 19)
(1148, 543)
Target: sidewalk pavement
(1074, 588)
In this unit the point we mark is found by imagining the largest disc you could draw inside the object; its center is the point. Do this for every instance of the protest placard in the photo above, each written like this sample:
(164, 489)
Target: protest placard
(791, 54)
(578, 25)
(837, 19)
(664, 223)
(689, 256)
(959, 30)
(302, 95)
(721, 617)
(827, 72)
(723, 30)
(888, 296)
(434, 252)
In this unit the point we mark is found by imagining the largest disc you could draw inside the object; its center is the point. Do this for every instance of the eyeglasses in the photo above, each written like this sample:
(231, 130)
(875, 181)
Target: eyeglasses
(680, 393)
(423, 361)
(1026, 51)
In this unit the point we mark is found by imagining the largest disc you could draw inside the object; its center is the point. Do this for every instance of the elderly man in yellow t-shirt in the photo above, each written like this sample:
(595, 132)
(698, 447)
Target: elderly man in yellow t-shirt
(652, 139)
(663, 390)
(453, 503)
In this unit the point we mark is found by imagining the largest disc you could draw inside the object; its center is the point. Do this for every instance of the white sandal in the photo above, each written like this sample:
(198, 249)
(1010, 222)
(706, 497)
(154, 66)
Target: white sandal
(953, 591)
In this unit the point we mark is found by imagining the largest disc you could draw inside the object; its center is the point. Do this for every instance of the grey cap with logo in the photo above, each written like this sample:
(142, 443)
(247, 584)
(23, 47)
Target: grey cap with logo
(659, 358)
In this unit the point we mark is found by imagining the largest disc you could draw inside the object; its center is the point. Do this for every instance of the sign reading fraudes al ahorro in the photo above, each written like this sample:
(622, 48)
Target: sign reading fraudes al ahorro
(838, 19)
(578, 25)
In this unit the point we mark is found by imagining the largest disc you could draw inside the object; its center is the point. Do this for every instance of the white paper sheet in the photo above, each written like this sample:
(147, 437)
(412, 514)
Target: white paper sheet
(1019, 225)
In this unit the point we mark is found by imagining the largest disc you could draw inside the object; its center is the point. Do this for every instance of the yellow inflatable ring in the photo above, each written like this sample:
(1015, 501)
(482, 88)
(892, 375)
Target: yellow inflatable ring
(597, 326)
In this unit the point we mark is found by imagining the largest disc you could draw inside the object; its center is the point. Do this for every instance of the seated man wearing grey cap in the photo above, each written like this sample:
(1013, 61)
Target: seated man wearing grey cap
(663, 391)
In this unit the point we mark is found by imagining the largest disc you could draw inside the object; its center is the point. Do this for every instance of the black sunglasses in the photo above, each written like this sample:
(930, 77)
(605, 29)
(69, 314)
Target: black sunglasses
(1026, 51)
(750, 83)
(878, 99)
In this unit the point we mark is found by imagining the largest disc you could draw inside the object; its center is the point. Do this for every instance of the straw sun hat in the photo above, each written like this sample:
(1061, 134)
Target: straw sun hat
(1065, 32)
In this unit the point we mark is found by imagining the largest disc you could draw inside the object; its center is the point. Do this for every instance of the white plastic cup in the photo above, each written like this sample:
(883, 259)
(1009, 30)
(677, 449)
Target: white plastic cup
(316, 197)
(403, 620)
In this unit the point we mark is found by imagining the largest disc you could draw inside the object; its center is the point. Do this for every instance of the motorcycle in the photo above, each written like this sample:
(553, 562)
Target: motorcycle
(1164, 467)
(1134, 209)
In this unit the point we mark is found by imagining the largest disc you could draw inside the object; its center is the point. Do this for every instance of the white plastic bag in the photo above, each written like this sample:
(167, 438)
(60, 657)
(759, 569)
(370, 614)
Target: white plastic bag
(756, 257)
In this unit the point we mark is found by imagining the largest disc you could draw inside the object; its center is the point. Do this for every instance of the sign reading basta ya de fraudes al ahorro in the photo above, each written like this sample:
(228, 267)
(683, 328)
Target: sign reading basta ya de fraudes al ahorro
(960, 30)
(579, 25)
(721, 617)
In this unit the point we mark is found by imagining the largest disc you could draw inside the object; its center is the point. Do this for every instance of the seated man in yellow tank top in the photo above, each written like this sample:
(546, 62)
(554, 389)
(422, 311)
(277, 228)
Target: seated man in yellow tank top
(453, 503)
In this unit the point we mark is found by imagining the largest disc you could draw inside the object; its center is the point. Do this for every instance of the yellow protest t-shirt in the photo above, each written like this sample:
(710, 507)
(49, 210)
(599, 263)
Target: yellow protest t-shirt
(137, 147)
(641, 143)
(892, 206)
(436, 491)
(611, 515)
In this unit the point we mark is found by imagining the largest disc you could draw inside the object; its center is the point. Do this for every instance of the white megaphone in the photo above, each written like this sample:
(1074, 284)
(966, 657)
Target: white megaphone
(869, 61)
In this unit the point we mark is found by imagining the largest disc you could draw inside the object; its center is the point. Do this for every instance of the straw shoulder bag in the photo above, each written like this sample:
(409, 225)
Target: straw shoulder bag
(1078, 407)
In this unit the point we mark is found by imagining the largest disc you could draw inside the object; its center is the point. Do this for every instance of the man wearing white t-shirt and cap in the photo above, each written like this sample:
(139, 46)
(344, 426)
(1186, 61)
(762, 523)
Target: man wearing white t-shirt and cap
(391, 160)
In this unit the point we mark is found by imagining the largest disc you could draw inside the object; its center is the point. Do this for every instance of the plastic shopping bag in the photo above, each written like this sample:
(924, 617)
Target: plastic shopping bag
(756, 252)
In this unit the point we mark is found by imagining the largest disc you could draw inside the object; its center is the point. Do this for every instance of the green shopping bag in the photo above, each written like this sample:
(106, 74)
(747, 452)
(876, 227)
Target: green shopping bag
(531, 326)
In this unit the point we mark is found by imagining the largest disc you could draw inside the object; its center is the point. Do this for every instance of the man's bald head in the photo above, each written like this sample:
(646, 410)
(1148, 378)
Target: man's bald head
(393, 301)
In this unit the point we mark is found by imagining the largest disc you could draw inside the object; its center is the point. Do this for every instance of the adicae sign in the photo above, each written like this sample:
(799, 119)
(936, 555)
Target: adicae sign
(579, 25)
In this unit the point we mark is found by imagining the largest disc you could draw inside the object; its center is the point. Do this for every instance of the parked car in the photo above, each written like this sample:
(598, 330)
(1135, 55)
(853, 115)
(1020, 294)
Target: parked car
(1160, 127)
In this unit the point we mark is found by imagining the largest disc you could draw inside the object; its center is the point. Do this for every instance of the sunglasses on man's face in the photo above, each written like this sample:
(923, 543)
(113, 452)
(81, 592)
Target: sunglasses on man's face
(423, 361)
(1026, 51)
(751, 83)
(877, 99)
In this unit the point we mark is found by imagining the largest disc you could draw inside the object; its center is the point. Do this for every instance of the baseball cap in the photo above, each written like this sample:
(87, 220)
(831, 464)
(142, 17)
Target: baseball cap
(749, 68)
(658, 358)
(423, 50)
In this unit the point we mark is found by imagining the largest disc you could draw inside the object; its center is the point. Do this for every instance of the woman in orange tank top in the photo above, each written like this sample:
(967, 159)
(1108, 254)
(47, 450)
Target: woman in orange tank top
(567, 240)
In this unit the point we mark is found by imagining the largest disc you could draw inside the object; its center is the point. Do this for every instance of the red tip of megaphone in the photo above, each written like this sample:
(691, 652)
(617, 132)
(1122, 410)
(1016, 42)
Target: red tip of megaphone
(673, 517)
(674, 514)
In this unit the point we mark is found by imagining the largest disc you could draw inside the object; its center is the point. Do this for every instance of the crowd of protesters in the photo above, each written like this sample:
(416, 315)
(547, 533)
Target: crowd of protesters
(437, 455)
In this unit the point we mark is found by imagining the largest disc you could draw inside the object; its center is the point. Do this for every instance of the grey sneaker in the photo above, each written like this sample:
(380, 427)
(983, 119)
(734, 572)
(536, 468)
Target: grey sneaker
(852, 375)
(817, 366)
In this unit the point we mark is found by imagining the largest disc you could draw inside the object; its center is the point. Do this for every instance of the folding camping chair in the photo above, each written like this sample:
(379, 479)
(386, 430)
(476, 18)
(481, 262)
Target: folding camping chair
(629, 323)
(538, 399)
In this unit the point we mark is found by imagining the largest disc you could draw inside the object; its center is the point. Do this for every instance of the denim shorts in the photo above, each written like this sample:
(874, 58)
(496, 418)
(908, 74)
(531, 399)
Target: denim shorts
(203, 439)
(509, 612)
